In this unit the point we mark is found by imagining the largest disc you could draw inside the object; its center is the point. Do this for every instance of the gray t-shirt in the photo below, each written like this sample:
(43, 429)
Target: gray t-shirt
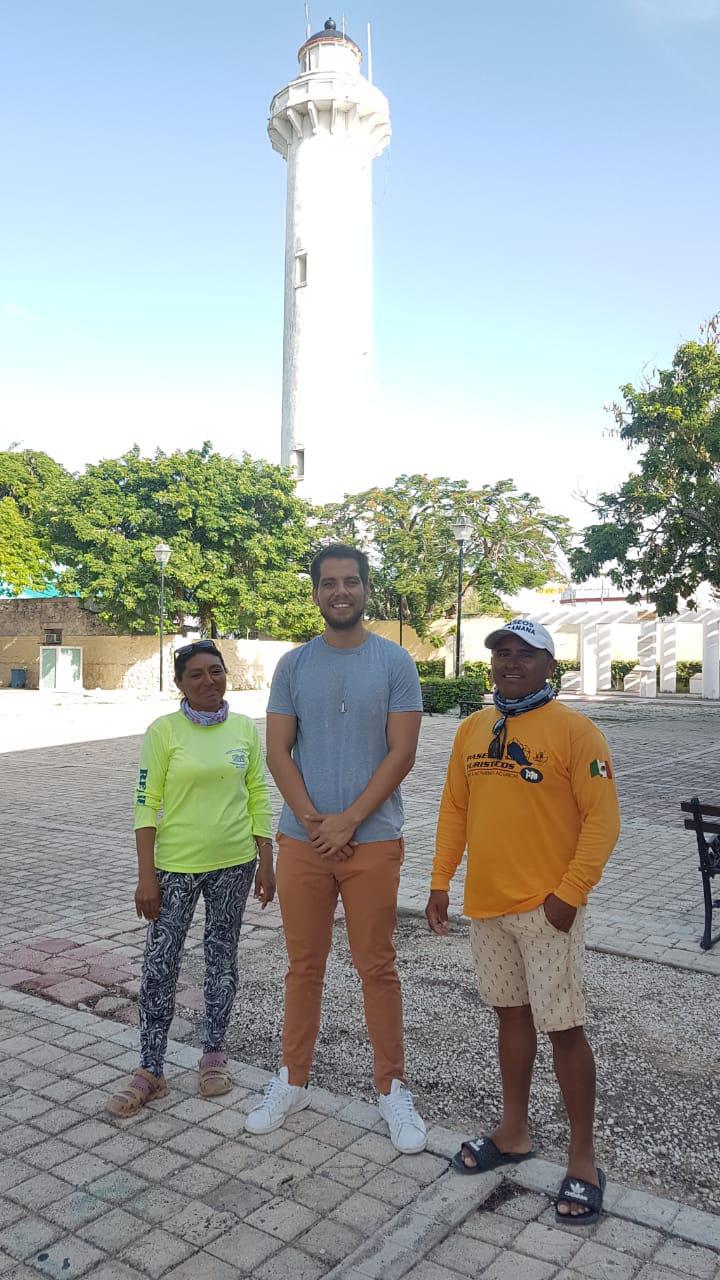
(342, 698)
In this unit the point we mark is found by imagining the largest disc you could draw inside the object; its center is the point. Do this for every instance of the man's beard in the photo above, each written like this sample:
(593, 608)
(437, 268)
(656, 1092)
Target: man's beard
(344, 623)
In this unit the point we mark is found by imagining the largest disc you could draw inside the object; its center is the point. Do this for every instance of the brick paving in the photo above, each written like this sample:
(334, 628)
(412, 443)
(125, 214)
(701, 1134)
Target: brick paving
(181, 1191)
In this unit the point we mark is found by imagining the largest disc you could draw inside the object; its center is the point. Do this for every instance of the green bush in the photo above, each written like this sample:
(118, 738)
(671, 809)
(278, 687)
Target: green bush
(432, 667)
(684, 671)
(448, 693)
(479, 671)
(561, 666)
(619, 668)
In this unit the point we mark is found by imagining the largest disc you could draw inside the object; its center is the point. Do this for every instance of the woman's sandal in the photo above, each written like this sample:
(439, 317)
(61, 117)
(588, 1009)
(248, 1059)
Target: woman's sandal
(143, 1087)
(486, 1156)
(215, 1078)
(578, 1191)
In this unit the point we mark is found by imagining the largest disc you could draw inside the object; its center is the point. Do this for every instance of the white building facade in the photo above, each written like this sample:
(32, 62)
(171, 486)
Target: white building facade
(328, 124)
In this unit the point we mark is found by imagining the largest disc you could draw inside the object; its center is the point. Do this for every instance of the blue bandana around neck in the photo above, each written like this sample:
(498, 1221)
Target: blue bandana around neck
(205, 718)
(509, 707)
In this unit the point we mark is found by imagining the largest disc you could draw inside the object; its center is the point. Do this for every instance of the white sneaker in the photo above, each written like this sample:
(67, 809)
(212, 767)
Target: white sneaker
(280, 1099)
(407, 1129)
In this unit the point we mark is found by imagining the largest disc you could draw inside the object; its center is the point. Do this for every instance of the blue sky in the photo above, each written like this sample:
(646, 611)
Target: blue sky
(545, 227)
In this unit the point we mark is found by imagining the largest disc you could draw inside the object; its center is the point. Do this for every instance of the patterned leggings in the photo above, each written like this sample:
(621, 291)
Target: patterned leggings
(225, 893)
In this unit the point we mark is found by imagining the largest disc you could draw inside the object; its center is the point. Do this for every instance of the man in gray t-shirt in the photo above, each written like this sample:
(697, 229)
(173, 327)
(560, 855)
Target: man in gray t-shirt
(343, 722)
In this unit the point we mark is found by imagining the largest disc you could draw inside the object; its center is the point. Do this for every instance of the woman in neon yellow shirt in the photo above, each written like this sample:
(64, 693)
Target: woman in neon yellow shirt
(203, 765)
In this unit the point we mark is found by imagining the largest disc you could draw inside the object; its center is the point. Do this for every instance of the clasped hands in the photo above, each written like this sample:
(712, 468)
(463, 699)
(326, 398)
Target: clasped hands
(331, 834)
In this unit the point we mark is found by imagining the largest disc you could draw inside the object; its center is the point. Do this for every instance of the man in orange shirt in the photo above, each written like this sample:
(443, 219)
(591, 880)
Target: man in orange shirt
(530, 792)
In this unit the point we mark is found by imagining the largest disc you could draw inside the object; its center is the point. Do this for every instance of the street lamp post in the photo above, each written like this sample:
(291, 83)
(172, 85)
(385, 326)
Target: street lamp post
(462, 528)
(162, 555)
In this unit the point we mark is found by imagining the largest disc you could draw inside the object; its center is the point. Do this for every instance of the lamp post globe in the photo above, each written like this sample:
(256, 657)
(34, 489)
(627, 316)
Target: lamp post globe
(461, 528)
(162, 553)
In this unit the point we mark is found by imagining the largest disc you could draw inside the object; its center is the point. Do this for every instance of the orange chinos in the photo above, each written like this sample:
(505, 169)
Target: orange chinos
(308, 888)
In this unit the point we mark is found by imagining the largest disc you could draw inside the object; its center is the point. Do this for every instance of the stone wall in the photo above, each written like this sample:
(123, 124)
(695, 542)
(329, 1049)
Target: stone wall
(64, 613)
(133, 662)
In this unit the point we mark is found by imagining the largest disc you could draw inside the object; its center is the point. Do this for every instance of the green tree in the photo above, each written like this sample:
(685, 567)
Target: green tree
(406, 530)
(238, 535)
(32, 487)
(657, 535)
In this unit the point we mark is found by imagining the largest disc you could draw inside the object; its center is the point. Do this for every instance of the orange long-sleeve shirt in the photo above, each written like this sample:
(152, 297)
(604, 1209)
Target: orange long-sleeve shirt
(543, 819)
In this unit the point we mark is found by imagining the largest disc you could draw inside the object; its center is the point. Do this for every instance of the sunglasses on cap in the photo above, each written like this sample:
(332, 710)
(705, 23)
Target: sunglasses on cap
(197, 646)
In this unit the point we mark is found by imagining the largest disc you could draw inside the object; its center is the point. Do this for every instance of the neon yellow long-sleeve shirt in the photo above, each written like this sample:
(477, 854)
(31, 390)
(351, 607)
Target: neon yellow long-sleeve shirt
(543, 819)
(210, 783)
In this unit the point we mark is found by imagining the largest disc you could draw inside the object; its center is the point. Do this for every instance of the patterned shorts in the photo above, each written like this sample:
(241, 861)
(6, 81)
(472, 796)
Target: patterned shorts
(523, 959)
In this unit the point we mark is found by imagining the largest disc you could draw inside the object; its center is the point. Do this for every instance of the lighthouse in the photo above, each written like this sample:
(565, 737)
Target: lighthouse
(329, 124)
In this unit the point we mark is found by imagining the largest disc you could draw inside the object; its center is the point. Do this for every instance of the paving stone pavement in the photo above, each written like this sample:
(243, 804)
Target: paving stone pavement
(180, 1191)
(648, 904)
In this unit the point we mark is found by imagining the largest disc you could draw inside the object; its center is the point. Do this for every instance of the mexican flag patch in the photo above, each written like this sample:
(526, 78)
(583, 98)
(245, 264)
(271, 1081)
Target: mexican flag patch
(600, 769)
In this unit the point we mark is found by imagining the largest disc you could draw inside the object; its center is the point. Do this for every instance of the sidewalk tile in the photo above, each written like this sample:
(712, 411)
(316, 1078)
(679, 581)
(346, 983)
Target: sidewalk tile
(39, 1191)
(362, 1212)
(74, 1210)
(157, 1204)
(232, 1157)
(546, 1243)
(598, 1262)
(626, 1236)
(493, 1228)
(73, 991)
(307, 1151)
(513, 1266)
(113, 1230)
(321, 1192)
(282, 1218)
(329, 1241)
(689, 1259)
(67, 1258)
(196, 1180)
(203, 1266)
(245, 1246)
(352, 1171)
(199, 1224)
(13, 1172)
(156, 1252)
(275, 1173)
(463, 1253)
(290, 1264)
(117, 1186)
(121, 1148)
(195, 1143)
(82, 1169)
(237, 1197)
(336, 1133)
(114, 1270)
(157, 1165)
(393, 1188)
(26, 1236)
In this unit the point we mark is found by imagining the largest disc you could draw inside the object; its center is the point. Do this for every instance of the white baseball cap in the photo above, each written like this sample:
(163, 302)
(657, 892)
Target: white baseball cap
(533, 633)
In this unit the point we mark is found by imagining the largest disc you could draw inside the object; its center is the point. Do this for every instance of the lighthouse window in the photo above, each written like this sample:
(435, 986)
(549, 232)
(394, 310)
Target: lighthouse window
(299, 458)
(300, 269)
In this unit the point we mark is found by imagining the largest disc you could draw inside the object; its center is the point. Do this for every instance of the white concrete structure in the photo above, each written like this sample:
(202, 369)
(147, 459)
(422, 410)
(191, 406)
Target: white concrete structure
(329, 124)
(595, 633)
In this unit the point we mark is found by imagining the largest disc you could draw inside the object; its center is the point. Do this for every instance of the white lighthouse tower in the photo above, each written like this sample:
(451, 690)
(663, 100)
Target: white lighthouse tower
(329, 124)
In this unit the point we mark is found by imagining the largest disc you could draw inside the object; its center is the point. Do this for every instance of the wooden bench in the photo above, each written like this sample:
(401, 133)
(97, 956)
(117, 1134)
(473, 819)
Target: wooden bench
(705, 822)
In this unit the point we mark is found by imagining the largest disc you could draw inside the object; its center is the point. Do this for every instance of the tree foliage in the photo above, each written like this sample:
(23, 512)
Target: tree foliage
(406, 530)
(32, 487)
(657, 535)
(237, 533)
